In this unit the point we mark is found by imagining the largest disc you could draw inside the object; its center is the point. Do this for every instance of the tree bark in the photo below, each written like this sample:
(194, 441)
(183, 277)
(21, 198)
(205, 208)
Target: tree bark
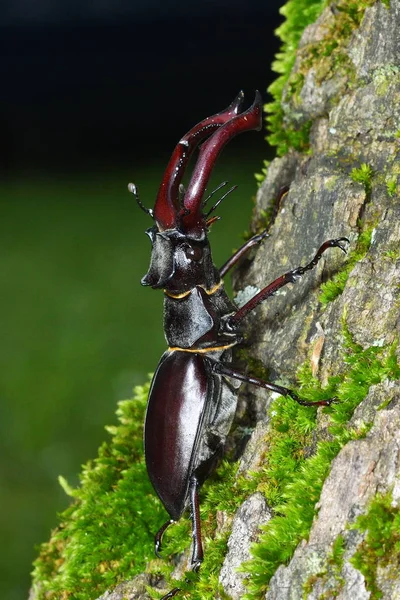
(345, 185)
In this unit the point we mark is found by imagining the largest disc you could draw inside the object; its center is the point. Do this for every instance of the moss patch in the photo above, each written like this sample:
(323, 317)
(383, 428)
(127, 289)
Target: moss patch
(331, 568)
(290, 479)
(103, 537)
(391, 186)
(299, 14)
(106, 535)
(327, 57)
(334, 287)
(381, 546)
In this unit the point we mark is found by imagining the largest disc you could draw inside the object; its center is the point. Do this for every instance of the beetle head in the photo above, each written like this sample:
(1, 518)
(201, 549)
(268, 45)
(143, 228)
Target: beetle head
(179, 261)
(181, 252)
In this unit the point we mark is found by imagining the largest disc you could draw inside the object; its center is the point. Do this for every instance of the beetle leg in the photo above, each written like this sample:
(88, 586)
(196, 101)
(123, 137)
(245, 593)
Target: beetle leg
(253, 241)
(289, 277)
(171, 594)
(158, 537)
(222, 369)
(197, 557)
(256, 239)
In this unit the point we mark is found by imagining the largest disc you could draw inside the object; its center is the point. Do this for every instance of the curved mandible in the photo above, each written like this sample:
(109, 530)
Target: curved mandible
(251, 119)
(167, 202)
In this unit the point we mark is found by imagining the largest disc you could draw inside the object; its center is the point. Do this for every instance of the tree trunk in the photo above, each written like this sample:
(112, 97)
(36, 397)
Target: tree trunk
(346, 185)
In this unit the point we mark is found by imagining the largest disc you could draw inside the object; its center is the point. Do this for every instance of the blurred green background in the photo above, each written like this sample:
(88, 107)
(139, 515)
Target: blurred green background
(78, 331)
(94, 95)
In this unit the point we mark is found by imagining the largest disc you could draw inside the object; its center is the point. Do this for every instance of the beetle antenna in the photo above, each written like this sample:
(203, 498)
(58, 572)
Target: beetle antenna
(221, 185)
(220, 200)
(133, 190)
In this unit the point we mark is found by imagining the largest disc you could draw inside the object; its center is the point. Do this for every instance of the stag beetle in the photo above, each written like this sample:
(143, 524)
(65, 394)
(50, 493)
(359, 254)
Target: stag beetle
(192, 399)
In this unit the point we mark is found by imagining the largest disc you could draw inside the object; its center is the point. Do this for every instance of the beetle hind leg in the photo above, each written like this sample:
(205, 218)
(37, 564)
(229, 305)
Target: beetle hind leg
(159, 535)
(198, 555)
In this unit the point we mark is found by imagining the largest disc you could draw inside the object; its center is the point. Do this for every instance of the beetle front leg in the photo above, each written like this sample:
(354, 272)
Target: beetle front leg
(253, 241)
(222, 369)
(289, 277)
(256, 239)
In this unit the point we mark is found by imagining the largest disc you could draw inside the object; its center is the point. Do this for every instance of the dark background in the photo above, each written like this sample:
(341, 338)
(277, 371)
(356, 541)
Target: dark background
(91, 97)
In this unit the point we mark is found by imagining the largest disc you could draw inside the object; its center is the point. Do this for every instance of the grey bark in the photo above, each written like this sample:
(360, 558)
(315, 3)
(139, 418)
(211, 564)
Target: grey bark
(352, 124)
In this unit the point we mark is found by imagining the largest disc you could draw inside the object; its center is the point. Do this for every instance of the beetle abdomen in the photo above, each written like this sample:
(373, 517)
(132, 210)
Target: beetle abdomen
(175, 410)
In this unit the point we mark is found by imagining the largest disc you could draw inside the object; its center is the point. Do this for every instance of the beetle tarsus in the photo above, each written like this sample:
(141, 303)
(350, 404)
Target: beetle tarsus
(171, 594)
(159, 535)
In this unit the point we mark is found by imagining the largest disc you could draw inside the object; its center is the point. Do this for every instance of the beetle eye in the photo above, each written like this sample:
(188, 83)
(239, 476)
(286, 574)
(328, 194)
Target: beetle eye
(193, 252)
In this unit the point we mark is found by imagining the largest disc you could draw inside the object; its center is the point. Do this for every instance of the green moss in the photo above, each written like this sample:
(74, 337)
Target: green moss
(254, 365)
(334, 287)
(331, 568)
(381, 546)
(298, 14)
(290, 479)
(392, 255)
(363, 175)
(383, 76)
(391, 186)
(261, 176)
(327, 57)
(103, 537)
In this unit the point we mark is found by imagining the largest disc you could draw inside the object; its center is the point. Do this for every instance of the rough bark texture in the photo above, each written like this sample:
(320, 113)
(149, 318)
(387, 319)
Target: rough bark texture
(361, 470)
(354, 121)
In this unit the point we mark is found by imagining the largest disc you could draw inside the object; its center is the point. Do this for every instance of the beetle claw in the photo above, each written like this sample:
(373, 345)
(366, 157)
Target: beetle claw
(339, 245)
(171, 594)
(329, 401)
(157, 549)
(196, 566)
(334, 400)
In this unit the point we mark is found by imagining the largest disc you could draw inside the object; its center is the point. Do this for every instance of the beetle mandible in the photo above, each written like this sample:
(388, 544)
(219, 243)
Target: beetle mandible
(192, 399)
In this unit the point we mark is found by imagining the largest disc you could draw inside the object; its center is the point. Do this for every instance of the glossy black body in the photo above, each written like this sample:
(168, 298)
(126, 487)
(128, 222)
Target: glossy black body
(190, 408)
